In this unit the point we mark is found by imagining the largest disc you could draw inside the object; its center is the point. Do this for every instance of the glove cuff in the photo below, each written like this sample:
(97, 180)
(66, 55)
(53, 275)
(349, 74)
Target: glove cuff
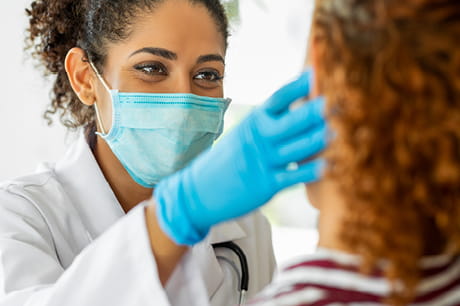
(172, 211)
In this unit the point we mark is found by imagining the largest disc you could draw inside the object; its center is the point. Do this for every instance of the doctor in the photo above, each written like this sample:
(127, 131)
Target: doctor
(81, 231)
(74, 233)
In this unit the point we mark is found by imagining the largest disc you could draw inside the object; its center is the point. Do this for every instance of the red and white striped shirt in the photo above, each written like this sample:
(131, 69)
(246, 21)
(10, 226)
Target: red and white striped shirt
(332, 278)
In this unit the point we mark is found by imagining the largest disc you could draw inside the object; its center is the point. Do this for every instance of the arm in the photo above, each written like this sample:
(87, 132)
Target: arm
(167, 253)
(116, 269)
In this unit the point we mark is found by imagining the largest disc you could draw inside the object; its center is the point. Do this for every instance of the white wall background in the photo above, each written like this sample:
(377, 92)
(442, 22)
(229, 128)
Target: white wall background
(266, 50)
(26, 139)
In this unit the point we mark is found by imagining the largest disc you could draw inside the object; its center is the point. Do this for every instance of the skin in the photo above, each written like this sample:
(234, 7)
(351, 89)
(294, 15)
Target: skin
(324, 195)
(161, 55)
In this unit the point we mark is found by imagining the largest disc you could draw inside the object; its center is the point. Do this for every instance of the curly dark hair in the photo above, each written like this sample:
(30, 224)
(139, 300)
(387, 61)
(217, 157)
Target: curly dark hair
(390, 72)
(56, 26)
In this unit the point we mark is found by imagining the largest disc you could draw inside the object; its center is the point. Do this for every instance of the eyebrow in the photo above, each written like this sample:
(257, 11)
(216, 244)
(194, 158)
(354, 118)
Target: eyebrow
(158, 52)
(173, 56)
(210, 58)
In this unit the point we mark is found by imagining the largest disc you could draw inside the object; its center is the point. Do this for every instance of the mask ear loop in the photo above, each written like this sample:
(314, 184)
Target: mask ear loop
(98, 117)
(96, 108)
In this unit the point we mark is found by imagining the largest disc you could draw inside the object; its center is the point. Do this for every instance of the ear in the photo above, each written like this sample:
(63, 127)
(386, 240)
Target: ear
(80, 75)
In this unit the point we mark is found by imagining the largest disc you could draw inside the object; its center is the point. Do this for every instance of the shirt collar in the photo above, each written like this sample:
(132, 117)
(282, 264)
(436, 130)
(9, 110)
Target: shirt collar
(84, 182)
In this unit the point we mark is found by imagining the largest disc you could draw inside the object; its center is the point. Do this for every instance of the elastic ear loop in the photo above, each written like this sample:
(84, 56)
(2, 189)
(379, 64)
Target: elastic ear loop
(96, 108)
(98, 117)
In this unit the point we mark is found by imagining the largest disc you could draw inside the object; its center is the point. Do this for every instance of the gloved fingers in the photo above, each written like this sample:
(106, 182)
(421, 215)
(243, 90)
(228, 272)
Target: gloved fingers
(299, 120)
(309, 172)
(279, 102)
(302, 147)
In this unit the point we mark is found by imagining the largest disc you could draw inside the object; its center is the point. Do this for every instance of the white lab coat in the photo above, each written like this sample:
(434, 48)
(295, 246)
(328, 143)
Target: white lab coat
(65, 241)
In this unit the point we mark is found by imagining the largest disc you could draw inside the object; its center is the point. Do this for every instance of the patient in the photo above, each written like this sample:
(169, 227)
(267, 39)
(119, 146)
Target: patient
(390, 202)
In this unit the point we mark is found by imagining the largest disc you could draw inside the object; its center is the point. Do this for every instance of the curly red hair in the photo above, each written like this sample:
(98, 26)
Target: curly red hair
(390, 72)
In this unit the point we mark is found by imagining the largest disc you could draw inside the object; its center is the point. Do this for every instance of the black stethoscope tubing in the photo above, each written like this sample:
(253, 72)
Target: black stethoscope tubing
(244, 282)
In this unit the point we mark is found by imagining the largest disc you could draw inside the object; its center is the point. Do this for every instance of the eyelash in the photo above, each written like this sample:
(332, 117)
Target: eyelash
(142, 68)
(153, 67)
(215, 75)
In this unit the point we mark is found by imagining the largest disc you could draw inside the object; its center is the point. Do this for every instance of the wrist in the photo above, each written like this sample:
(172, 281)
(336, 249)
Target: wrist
(157, 235)
(173, 202)
(166, 252)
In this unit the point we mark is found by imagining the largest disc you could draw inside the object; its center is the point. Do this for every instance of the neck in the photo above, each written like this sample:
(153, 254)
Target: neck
(329, 228)
(326, 198)
(127, 191)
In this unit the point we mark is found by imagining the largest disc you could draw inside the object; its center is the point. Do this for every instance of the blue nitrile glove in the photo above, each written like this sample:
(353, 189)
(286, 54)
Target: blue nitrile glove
(247, 167)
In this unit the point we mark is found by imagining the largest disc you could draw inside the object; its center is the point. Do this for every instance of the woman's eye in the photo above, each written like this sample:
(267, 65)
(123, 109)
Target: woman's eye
(152, 69)
(209, 76)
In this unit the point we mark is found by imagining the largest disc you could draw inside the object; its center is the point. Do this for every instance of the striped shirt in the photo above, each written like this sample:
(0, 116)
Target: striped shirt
(332, 278)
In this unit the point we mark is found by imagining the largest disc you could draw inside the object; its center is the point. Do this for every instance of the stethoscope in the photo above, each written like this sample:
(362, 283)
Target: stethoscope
(244, 277)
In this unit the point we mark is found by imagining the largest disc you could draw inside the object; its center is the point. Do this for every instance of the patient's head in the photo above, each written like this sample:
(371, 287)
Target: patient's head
(390, 72)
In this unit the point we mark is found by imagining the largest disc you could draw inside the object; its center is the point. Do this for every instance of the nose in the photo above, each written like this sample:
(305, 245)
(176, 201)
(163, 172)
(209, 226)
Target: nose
(182, 83)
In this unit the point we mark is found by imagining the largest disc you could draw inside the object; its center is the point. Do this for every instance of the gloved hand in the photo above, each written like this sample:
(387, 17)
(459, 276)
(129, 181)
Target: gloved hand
(247, 167)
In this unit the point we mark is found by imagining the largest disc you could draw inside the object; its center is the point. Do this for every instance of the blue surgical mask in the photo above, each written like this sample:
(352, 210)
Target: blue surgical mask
(155, 135)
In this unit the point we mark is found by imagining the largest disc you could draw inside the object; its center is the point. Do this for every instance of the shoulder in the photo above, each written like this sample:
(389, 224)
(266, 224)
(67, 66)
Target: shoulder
(31, 199)
(36, 210)
(20, 193)
(293, 286)
(20, 216)
(323, 278)
(39, 178)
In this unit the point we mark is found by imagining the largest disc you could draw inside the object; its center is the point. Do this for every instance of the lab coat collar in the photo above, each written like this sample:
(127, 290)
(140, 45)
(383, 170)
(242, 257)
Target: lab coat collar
(83, 180)
(224, 232)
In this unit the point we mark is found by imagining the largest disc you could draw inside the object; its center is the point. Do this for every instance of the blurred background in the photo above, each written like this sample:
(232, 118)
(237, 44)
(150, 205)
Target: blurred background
(267, 49)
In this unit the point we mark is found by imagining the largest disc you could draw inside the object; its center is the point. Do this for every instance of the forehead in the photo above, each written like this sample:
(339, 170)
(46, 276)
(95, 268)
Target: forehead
(179, 26)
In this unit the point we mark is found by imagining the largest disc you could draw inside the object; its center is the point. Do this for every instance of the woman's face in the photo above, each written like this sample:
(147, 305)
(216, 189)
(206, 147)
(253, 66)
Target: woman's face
(177, 48)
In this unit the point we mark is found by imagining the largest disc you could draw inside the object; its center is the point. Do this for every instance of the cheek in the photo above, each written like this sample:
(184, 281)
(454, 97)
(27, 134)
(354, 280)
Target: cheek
(217, 92)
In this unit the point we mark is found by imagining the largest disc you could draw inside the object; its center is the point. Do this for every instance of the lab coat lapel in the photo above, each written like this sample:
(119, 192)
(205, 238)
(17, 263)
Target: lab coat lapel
(212, 272)
(224, 232)
(85, 184)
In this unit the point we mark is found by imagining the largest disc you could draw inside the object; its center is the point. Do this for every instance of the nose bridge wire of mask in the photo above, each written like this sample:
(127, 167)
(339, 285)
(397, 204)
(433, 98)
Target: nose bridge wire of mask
(244, 276)
(96, 107)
